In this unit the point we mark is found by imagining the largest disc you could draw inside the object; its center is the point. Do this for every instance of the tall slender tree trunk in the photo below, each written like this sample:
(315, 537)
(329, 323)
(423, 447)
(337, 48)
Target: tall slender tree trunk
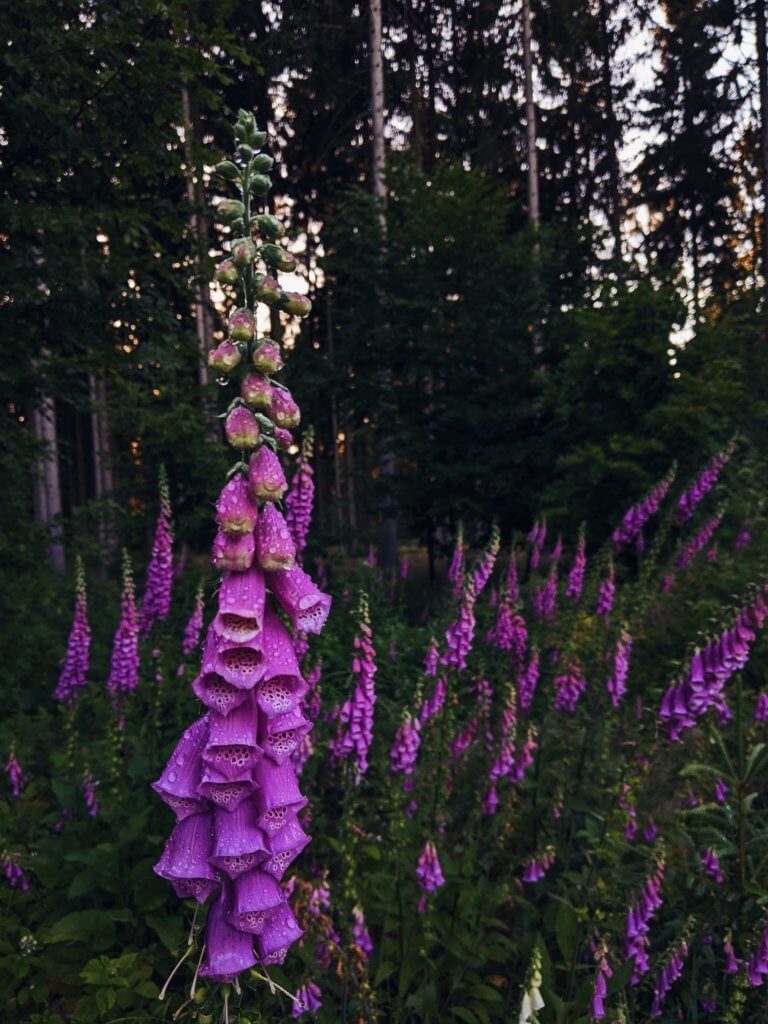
(388, 528)
(534, 214)
(47, 490)
(611, 129)
(102, 460)
(417, 129)
(199, 231)
(762, 70)
(337, 477)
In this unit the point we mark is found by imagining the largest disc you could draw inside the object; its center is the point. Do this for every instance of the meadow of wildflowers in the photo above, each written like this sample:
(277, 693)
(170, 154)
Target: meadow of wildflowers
(536, 789)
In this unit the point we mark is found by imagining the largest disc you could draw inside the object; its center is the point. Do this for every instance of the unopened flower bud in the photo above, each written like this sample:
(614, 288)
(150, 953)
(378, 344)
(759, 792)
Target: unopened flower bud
(262, 163)
(260, 184)
(243, 252)
(270, 253)
(229, 209)
(236, 511)
(256, 391)
(284, 412)
(265, 475)
(227, 170)
(268, 226)
(241, 428)
(224, 358)
(233, 553)
(295, 303)
(269, 291)
(287, 261)
(284, 438)
(226, 272)
(267, 357)
(242, 325)
(275, 549)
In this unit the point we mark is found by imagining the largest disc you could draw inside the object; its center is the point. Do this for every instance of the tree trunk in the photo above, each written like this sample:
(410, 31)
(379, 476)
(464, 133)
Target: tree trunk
(530, 120)
(611, 131)
(417, 131)
(762, 70)
(334, 418)
(102, 460)
(199, 232)
(47, 479)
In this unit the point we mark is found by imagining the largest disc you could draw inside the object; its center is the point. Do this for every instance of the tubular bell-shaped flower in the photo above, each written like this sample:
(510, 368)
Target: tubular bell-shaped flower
(299, 500)
(635, 518)
(456, 568)
(124, 666)
(156, 602)
(75, 667)
(194, 626)
(701, 486)
(428, 873)
(575, 582)
(356, 715)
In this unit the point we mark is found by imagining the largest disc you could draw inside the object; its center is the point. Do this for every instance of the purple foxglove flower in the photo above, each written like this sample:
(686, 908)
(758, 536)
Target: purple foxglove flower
(194, 626)
(431, 659)
(699, 541)
(569, 686)
(16, 776)
(721, 791)
(224, 358)
(505, 635)
(617, 681)
(711, 864)
(241, 325)
(231, 746)
(275, 547)
(460, 634)
(757, 967)
(185, 861)
(308, 1000)
(405, 748)
(743, 539)
(269, 291)
(575, 583)
(702, 485)
(513, 585)
(256, 391)
(296, 304)
(732, 963)
(456, 568)
(232, 552)
(283, 439)
(299, 500)
(75, 668)
(606, 593)
(13, 871)
(428, 873)
(528, 680)
(356, 716)
(157, 599)
(636, 941)
(265, 475)
(236, 511)
(537, 867)
(635, 518)
(434, 703)
(305, 605)
(650, 831)
(545, 597)
(360, 934)
(761, 708)
(600, 990)
(267, 357)
(241, 428)
(89, 792)
(283, 410)
(536, 539)
(484, 568)
(240, 615)
(669, 975)
(228, 950)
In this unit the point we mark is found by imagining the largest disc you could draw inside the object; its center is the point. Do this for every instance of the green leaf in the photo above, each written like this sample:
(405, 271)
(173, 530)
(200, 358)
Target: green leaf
(94, 927)
(566, 926)
(464, 1014)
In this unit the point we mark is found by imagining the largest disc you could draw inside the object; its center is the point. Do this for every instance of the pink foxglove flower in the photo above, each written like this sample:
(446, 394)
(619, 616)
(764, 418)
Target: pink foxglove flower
(617, 680)
(275, 547)
(702, 485)
(308, 1000)
(75, 669)
(405, 749)
(194, 626)
(241, 428)
(671, 972)
(631, 527)
(13, 871)
(699, 541)
(356, 716)
(461, 633)
(266, 478)
(600, 990)
(536, 539)
(575, 583)
(89, 792)
(484, 568)
(606, 593)
(428, 873)
(360, 934)
(157, 591)
(641, 912)
(124, 666)
(456, 568)
(528, 680)
(569, 686)
(299, 501)
(16, 776)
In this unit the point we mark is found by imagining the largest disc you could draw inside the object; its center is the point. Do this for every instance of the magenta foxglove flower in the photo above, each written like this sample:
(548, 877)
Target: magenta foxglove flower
(360, 934)
(617, 680)
(699, 541)
(702, 485)
(157, 590)
(431, 659)
(266, 478)
(732, 962)
(428, 873)
(721, 791)
(545, 597)
(305, 605)
(308, 1000)
(569, 686)
(636, 941)
(600, 990)
(669, 975)
(434, 702)
(405, 748)
(537, 867)
(356, 716)
(13, 871)
(650, 831)
(575, 582)
(194, 626)
(16, 776)
(267, 357)
(461, 633)
(275, 547)
(484, 568)
(528, 680)
(757, 967)
(75, 668)
(502, 636)
(241, 428)
(743, 539)
(256, 391)
(606, 593)
(456, 568)
(513, 584)
(711, 864)
(236, 511)
(283, 411)
(761, 708)
(225, 357)
(89, 792)
(124, 666)
(233, 552)
(536, 539)
(299, 500)
(631, 527)
(241, 325)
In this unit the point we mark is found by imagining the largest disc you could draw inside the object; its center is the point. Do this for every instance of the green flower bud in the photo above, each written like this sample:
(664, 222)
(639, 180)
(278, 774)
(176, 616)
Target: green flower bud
(243, 252)
(229, 209)
(260, 184)
(200, 996)
(269, 291)
(242, 325)
(262, 163)
(226, 272)
(287, 261)
(226, 169)
(295, 303)
(268, 226)
(271, 254)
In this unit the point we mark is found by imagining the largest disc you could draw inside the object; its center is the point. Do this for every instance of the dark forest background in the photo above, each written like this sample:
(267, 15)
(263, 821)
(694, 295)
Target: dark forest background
(475, 351)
